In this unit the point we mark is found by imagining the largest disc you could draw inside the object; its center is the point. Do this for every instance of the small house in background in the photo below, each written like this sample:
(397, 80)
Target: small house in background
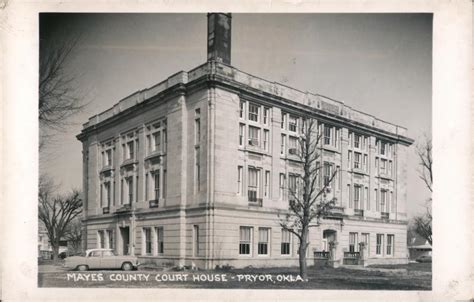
(419, 246)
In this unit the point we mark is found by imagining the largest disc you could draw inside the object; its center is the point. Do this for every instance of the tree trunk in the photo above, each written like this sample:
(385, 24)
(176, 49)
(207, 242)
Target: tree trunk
(302, 255)
(302, 258)
(55, 247)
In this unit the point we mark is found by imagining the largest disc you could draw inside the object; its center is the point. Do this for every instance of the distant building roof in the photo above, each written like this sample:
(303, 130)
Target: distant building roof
(419, 243)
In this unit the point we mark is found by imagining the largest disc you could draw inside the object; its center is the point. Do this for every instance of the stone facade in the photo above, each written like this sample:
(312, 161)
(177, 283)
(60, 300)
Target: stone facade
(193, 171)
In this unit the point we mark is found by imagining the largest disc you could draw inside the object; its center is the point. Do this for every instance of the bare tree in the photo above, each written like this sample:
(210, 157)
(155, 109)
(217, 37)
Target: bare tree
(56, 212)
(423, 150)
(307, 191)
(73, 235)
(423, 223)
(59, 98)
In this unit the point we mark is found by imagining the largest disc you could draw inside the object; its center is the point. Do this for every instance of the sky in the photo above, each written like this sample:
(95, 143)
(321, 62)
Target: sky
(380, 64)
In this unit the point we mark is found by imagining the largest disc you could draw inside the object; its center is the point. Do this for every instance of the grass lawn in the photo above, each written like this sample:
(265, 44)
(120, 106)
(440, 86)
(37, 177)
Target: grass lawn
(270, 278)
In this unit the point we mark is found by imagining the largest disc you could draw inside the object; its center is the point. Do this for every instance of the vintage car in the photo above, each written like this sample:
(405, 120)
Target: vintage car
(424, 259)
(101, 259)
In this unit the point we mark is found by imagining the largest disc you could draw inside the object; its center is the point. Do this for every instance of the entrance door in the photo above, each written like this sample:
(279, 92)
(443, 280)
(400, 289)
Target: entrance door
(125, 234)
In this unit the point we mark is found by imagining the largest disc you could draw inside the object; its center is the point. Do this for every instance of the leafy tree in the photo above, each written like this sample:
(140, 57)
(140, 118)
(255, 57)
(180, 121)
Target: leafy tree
(308, 191)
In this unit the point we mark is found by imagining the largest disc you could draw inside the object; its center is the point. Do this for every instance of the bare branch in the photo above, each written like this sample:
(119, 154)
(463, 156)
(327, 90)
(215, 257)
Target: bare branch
(59, 97)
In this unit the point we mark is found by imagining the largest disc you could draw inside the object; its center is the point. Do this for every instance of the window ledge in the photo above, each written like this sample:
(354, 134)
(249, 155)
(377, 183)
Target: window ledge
(385, 176)
(359, 171)
(255, 149)
(128, 162)
(154, 154)
(106, 169)
(331, 148)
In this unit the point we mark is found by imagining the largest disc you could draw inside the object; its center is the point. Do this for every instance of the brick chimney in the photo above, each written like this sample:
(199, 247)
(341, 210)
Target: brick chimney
(219, 37)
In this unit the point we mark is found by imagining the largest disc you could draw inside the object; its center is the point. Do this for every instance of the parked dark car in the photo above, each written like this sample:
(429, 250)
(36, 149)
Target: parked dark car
(423, 259)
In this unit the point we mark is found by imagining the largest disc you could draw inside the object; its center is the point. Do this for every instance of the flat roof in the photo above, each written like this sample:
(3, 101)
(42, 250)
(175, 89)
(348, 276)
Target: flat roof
(233, 76)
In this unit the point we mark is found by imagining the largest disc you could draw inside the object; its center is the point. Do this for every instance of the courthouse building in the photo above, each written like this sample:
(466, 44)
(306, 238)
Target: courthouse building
(195, 170)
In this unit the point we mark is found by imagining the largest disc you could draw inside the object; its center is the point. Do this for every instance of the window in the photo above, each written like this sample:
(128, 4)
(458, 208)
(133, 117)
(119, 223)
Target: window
(377, 205)
(110, 237)
(107, 193)
(365, 239)
(351, 199)
(160, 240)
(393, 203)
(147, 241)
(282, 145)
(379, 245)
(254, 136)
(367, 198)
(129, 181)
(266, 139)
(245, 240)
(130, 150)
(108, 253)
(266, 114)
(101, 243)
(95, 254)
(365, 166)
(156, 181)
(108, 157)
(353, 243)
(239, 179)
(241, 134)
(349, 159)
(285, 242)
(327, 173)
(292, 124)
(121, 192)
(357, 160)
(263, 236)
(292, 145)
(390, 241)
(253, 112)
(382, 148)
(327, 135)
(253, 184)
(283, 120)
(357, 141)
(383, 166)
(267, 184)
(292, 187)
(242, 105)
(164, 184)
(196, 240)
(390, 168)
(357, 196)
(165, 140)
(197, 171)
(156, 138)
(383, 200)
(282, 185)
(197, 128)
